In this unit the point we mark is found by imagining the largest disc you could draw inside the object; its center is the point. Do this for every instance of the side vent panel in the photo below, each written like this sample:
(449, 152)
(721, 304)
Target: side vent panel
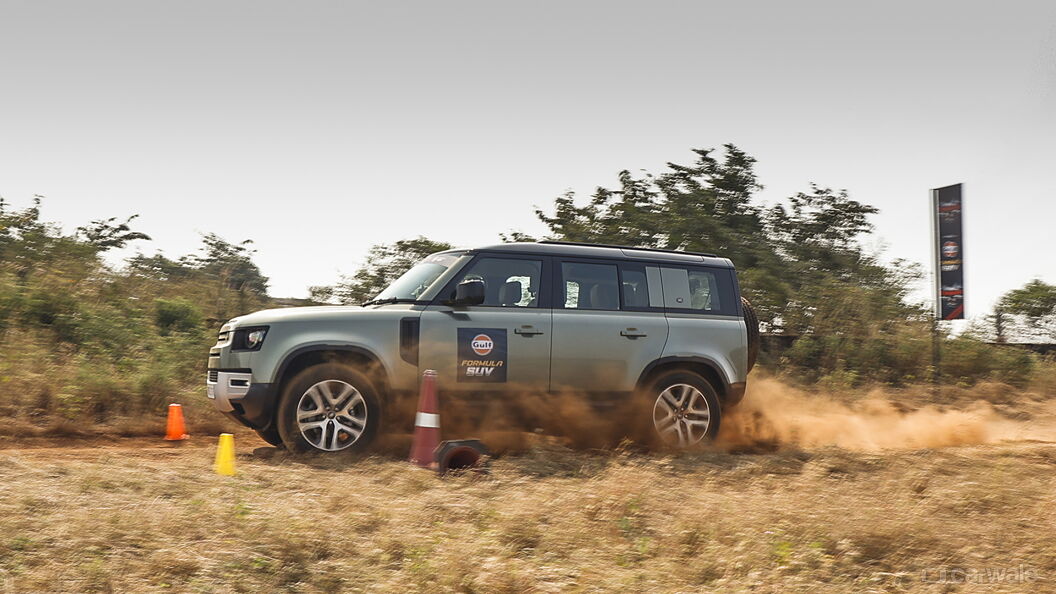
(409, 328)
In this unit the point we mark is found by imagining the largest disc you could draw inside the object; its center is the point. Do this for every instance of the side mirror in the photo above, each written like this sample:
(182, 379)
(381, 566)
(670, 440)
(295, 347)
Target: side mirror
(470, 292)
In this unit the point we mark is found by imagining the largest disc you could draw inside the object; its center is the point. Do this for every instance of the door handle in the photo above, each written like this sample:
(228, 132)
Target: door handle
(528, 331)
(633, 333)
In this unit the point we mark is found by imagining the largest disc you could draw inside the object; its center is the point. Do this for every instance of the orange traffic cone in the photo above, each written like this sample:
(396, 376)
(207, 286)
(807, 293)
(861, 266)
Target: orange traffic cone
(426, 423)
(175, 429)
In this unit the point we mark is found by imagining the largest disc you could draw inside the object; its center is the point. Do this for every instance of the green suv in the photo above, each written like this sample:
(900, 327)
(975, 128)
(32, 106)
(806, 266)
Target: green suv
(496, 322)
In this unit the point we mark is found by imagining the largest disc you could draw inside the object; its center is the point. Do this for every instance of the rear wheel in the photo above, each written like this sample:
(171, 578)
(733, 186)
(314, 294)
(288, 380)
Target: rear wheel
(686, 409)
(329, 408)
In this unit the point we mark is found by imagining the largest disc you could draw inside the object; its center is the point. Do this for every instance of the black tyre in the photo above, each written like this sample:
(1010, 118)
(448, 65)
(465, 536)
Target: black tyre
(329, 408)
(271, 435)
(686, 410)
(751, 321)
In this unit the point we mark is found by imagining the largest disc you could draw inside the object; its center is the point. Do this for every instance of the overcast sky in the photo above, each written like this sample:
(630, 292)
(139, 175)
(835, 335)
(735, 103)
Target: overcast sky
(320, 128)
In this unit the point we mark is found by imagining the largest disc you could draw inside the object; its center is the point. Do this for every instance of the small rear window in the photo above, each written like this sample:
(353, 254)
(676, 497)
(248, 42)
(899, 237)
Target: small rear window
(699, 290)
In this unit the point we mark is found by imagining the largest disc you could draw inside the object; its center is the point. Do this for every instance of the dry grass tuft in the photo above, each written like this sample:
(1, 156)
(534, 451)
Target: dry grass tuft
(549, 520)
(877, 490)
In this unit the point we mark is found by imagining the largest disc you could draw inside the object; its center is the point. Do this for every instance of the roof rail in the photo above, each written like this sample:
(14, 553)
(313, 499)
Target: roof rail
(626, 247)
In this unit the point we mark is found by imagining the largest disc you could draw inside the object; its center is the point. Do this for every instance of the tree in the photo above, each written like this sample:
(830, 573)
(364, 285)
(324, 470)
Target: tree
(221, 273)
(30, 246)
(105, 234)
(385, 263)
(231, 263)
(709, 206)
(801, 263)
(1028, 312)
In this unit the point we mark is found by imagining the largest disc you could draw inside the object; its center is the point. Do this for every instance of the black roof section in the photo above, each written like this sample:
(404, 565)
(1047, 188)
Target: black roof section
(593, 250)
(626, 247)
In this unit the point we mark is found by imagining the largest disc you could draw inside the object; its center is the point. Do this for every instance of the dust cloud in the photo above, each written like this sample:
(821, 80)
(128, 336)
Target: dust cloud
(773, 416)
(777, 415)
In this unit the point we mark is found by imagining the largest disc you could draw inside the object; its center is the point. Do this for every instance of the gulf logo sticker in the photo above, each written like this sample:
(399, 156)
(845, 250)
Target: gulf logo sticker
(482, 344)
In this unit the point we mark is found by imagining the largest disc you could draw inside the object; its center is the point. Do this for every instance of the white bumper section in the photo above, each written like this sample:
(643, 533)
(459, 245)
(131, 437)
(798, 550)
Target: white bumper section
(227, 387)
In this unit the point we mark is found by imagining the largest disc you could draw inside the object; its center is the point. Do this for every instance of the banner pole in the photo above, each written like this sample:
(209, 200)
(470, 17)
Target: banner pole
(947, 228)
(936, 313)
(936, 358)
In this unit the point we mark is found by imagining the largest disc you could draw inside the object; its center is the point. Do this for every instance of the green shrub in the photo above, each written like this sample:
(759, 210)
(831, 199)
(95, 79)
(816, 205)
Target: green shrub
(176, 315)
(154, 389)
(967, 360)
(903, 355)
(1043, 380)
(98, 391)
(55, 309)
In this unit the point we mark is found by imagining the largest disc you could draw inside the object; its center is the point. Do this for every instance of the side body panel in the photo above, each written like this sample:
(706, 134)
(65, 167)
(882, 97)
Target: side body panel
(723, 340)
(604, 351)
(524, 333)
(368, 331)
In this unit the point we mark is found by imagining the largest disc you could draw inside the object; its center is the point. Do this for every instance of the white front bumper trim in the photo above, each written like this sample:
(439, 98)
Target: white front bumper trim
(227, 387)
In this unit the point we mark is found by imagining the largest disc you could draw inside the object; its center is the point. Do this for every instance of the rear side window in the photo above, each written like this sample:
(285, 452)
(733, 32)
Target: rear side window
(699, 290)
(635, 289)
(589, 286)
(640, 286)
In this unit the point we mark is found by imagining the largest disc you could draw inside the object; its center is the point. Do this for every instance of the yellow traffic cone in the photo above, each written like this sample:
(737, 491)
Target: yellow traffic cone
(225, 455)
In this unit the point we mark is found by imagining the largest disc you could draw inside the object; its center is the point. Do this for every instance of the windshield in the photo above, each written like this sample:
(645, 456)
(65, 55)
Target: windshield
(415, 281)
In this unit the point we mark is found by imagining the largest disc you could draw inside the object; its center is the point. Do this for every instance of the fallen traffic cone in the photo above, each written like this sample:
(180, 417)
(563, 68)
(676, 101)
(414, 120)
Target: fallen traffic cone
(225, 455)
(426, 423)
(461, 455)
(174, 428)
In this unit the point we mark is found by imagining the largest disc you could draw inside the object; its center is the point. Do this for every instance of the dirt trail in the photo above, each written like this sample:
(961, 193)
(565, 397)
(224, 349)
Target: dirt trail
(774, 416)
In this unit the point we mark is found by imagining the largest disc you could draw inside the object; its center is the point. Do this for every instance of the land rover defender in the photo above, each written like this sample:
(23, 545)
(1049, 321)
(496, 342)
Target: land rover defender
(667, 326)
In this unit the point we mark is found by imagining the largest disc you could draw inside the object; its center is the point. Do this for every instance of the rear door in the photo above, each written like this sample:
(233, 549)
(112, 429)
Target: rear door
(608, 324)
(500, 346)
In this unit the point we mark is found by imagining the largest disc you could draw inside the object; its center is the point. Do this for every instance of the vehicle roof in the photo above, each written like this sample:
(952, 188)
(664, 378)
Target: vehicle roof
(582, 250)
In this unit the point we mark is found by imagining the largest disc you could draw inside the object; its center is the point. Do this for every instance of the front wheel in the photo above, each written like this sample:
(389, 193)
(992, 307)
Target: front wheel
(271, 435)
(686, 409)
(329, 408)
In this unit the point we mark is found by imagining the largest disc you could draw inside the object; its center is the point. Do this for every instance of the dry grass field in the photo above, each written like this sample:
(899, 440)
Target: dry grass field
(782, 511)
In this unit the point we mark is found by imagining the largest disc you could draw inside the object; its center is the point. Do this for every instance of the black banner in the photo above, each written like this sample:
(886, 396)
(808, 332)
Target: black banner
(482, 355)
(949, 252)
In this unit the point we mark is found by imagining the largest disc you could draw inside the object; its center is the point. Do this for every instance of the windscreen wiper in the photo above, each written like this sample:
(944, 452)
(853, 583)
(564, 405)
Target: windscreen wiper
(388, 300)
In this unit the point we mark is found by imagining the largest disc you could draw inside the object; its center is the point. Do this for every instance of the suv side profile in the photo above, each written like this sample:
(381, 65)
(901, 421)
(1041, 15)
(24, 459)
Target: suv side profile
(495, 322)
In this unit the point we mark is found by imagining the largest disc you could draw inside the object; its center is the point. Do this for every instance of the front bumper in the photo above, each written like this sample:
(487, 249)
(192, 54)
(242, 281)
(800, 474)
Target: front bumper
(224, 386)
(234, 394)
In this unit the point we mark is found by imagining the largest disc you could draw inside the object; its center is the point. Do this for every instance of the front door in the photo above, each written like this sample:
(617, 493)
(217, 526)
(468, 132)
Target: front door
(500, 346)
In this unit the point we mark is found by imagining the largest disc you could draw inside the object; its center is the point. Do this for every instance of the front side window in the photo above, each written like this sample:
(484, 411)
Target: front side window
(508, 282)
(590, 286)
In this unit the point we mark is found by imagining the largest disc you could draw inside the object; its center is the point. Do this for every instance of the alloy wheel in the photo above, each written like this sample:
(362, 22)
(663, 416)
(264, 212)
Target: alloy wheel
(681, 415)
(331, 415)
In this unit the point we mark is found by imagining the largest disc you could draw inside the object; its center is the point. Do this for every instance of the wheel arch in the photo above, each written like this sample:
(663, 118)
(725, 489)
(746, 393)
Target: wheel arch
(703, 366)
(308, 356)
